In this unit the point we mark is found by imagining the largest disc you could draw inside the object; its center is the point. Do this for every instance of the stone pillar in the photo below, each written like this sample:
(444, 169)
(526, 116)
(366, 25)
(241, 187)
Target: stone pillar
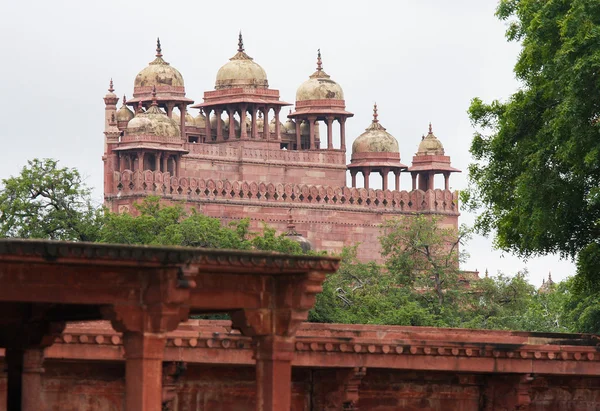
(207, 129)
(14, 370)
(121, 162)
(254, 131)
(273, 372)
(140, 161)
(182, 111)
(143, 370)
(298, 134)
(169, 107)
(430, 180)
(350, 381)
(397, 175)
(342, 121)
(157, 161)
(446, 181)
(33, 360)
(329, 132)
(266, 133)
(384, 176)
(353, 173)
(311, 132)
(231, 112)
(277, 124)
(178, 165)
(243, 131)
(414, 181)
(366, 173)
(165, 161)
(218, 113)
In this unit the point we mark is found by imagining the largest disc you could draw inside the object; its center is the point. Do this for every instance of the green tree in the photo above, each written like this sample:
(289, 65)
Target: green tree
(536, 179)
(47, 201)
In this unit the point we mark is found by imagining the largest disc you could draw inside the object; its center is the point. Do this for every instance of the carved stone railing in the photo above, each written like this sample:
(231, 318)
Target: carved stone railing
(189, 188)
(289, 157)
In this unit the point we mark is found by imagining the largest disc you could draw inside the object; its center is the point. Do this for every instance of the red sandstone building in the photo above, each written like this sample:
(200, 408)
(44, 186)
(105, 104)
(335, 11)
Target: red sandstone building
(235, 158)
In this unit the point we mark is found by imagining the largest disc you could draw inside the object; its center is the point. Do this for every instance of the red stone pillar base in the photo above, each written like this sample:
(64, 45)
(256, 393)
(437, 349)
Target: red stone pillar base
(274, 372)
(143, 370)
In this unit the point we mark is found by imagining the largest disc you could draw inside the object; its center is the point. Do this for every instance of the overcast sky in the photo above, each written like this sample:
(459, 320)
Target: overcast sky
(420, 60)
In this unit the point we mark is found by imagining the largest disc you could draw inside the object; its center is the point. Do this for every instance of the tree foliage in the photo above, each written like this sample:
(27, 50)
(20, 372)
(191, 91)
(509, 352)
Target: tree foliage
(47, 201)
(537, 176)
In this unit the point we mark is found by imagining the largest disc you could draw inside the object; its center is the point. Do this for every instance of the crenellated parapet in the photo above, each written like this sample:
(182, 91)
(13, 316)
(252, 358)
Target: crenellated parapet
(129, 183)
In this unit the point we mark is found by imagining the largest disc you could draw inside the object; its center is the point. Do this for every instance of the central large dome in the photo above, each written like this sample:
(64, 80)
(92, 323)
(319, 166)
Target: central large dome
(319, 86)
(241, 71)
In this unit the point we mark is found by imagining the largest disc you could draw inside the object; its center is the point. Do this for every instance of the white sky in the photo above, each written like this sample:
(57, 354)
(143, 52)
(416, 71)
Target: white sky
(420, 60)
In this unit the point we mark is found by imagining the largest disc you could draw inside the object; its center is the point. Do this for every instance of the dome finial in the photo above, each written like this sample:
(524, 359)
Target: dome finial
(430, 128)
(110, 86)
(240, 43)
(375, 113)
(124, 99)
(158, 48)
(291, 226)
(319, 62)
(140, 108)
(154, 102)
(550, 276)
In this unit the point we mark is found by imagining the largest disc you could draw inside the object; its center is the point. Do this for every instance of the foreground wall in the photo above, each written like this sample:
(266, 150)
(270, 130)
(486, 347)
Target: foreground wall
(375, 368)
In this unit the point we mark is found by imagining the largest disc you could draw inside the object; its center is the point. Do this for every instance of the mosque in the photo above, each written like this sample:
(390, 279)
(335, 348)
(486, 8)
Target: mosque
(234, 156)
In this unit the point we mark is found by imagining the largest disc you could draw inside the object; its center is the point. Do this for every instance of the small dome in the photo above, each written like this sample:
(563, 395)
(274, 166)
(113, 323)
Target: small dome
(289, 126)
(213, 122)
(260, 122)
(189, 119)
(236, 123)
(241, 71)
(272, 125)
(153, 122)
(319, 86)
(293, 235)
(200, 121)
(430, 145)
(124, 114)
(159, 73)
(305, 129)
(375, 139)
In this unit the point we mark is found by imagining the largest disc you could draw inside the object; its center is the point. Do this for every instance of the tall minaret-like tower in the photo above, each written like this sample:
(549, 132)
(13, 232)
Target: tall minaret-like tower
(111, 136)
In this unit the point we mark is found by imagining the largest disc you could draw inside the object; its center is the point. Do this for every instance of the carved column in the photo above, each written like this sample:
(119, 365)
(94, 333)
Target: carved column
(157, 161)
(343, 133)
(178, 165)
(311, 132)
(446, 181)
(254, 130)
(277, 124)
(384, 177)
(243, 130)
(274, 356)
(165, 162)
(329, 132)
(430, 180)
(218, 113)
(298, 134)
(144, 325)
(32, 399)
(397, 175)
(266, 135)
(414, 181)
(231, 112)
(169, 107)
(207, 129)
(366, 173)
(353, 173)
(182, 111)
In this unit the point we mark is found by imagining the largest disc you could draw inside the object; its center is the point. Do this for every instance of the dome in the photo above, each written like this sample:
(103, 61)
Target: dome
(319, 86)
(124, 114)
(375, 139)
(153, 122)
(200, 121)
(213, 123)
(289, 126)
(272, 125)
(189, 119)
(430, 145)
(159, 73)
(241, 71)
(293, 235)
